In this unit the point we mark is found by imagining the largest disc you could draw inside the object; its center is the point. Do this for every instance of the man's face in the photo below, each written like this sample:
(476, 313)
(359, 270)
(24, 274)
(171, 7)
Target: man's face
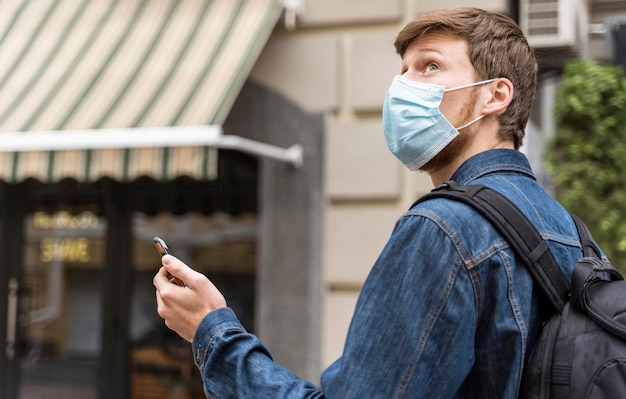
(443, 59)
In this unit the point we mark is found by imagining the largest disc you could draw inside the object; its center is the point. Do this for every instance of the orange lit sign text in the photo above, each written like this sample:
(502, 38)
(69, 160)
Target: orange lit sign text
(64, 249)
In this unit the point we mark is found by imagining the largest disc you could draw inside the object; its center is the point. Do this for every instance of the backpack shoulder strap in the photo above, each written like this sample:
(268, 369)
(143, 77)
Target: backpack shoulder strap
(517, 230)
(590, 249)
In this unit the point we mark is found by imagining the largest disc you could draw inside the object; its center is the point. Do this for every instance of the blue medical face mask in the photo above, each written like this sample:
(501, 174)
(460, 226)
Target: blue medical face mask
(414, 127)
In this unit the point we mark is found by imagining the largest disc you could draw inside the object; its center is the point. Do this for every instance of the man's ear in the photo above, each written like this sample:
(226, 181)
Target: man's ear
(501, 94)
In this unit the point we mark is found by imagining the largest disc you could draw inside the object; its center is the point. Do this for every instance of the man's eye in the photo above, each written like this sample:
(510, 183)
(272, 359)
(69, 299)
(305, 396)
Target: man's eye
(431, 66)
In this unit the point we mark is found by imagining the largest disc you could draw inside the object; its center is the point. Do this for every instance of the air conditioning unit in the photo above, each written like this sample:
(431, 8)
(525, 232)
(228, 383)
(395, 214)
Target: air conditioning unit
(551, 23)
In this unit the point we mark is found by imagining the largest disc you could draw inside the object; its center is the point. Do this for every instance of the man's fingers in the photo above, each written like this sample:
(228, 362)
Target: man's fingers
(160, 305)
(160, 278)
(178, 269)
(183, 308)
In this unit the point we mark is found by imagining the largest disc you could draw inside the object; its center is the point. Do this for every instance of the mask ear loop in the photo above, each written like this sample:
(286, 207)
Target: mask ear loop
(470, 122)
(482, 82)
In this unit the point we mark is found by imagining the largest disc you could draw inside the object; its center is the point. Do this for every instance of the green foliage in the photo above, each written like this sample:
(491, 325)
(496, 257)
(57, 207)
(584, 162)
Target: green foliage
(588, 154)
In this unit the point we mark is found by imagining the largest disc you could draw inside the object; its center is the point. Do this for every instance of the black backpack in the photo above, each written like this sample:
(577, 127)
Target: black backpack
(581, 349)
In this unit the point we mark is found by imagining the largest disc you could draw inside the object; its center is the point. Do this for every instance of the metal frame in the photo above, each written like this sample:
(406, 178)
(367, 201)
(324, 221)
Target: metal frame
(175, 136)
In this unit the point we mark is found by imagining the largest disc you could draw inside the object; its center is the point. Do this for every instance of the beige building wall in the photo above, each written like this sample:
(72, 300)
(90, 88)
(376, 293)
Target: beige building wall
(339, 61)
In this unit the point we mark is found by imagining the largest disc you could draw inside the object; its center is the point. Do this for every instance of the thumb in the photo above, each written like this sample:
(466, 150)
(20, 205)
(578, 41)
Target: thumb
(177, 268)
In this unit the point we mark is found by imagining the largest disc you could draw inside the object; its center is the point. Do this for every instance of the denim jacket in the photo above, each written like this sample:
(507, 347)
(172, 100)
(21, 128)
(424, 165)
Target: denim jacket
(447, 310)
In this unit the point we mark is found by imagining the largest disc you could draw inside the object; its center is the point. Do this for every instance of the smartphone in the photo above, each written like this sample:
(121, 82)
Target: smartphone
(163, 250)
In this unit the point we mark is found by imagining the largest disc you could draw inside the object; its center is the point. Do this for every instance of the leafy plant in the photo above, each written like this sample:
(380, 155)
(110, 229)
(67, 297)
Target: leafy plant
(587, 156)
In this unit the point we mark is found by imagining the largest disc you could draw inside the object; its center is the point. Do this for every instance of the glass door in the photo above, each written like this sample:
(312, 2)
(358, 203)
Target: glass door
(61, 305)
(221, 246)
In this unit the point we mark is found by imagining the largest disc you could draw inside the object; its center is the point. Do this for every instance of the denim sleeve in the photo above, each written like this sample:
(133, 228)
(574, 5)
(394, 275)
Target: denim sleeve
(235, 364)
(412, 332)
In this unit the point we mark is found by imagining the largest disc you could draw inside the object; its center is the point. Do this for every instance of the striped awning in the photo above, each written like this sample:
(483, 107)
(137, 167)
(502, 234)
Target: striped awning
(107, 64)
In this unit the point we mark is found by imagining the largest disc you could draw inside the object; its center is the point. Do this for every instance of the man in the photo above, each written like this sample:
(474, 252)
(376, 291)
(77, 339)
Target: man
(447, 311)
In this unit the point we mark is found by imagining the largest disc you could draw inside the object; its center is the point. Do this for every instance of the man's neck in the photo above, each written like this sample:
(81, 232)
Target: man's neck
(444, 174)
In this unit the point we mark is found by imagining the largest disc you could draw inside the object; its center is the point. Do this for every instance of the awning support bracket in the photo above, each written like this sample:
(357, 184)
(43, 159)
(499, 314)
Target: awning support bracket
(291, 155)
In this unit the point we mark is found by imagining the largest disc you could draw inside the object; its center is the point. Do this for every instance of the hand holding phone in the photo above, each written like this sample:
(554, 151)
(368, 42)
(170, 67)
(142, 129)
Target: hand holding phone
(163, 250)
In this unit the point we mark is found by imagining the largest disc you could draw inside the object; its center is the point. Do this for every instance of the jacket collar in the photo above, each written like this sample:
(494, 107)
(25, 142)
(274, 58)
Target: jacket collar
(490, 162)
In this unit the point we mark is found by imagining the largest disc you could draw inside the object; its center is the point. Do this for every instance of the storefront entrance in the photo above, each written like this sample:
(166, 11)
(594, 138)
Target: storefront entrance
(77, 307)
(58, 330)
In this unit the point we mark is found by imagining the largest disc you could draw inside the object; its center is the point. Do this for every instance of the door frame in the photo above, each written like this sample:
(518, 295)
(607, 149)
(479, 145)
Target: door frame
(11, 239)
(16, 201)
(113, 376)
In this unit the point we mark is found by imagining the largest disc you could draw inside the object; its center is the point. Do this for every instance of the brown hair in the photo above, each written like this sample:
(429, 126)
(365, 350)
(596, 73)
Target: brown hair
(497, 49)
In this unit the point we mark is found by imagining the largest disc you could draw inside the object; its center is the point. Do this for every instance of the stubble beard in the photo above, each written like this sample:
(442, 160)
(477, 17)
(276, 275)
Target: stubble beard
(456, 147)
